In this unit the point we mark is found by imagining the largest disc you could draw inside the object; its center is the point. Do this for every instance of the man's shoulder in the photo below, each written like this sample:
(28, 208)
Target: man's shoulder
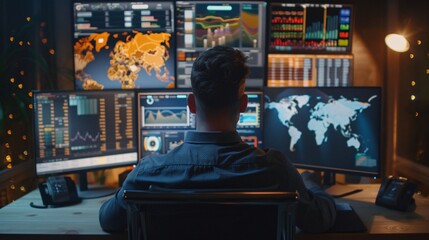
(159, 160)
(274, 154)
(276, 157)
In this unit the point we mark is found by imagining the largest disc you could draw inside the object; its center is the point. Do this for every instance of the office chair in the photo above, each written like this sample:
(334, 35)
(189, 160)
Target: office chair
(208, 214)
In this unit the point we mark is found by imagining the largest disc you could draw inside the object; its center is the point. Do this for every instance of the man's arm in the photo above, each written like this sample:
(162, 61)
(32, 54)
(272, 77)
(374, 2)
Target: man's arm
(315, 210)
(113, 213)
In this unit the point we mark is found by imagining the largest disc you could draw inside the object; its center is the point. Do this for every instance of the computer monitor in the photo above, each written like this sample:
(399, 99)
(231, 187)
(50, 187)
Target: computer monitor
(124, 44)
(164, 117)
(310, 27)
(205, 24)
(79, 131)
(249, 125)
(303, 70)
(330, 129)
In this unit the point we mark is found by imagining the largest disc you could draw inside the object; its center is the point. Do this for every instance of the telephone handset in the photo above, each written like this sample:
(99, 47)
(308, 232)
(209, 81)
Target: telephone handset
(397, 193)
(58, 191)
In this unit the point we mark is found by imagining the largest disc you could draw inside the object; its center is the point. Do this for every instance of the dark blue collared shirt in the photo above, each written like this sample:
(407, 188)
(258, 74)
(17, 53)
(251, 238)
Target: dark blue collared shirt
(210, 160)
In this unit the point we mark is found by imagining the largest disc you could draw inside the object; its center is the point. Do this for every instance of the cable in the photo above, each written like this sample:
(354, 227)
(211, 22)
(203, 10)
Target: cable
(38, 206)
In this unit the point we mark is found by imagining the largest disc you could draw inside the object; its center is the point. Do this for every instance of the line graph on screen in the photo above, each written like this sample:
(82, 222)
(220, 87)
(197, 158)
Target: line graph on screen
(172, 116)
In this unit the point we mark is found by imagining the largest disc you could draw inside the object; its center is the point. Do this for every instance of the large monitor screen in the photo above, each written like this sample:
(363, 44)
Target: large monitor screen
(303, 70)
(84, 130)
(322, 128)
(310, 27)
(205, 24)
(164, 117)
(122, 45)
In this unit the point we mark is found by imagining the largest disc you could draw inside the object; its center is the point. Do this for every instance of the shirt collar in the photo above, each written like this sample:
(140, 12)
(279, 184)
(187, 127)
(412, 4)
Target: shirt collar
(212, 137)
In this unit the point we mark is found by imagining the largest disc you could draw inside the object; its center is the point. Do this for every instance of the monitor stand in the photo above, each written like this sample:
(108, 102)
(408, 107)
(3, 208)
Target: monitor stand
(337, 190)
(86, 191)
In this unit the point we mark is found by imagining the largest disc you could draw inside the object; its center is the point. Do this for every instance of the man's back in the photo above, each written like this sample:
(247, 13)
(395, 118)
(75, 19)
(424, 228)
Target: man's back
(212, 160)
(209, 160)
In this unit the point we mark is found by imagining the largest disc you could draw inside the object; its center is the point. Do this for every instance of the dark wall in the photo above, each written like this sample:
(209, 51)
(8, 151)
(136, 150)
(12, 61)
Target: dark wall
(369, 49)
(63, 43)
(413, 117)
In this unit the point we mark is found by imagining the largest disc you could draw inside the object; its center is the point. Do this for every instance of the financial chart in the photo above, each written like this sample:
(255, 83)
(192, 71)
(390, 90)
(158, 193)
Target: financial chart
(204, 24)
(303, 70)
(164, 117)
(249, 125)
(310, 27)
(78, 130)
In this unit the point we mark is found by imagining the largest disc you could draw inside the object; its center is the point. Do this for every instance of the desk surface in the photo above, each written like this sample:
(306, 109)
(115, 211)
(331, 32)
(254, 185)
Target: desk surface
(19, 221)
(382, 223)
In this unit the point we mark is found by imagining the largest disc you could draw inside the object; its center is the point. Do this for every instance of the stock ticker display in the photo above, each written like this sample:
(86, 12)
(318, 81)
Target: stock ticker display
(124, 45)
(315, 27)
(204, 24)
(304, 70)
(84, 125)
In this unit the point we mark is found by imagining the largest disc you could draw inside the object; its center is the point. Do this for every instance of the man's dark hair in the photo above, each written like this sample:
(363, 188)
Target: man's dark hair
(216, 77)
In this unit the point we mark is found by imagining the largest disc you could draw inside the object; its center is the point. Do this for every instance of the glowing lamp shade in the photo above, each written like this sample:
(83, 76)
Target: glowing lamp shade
(397, 42)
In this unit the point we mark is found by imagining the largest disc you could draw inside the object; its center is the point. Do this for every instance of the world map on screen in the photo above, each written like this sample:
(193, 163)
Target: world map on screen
(320, 115)
(129, 60)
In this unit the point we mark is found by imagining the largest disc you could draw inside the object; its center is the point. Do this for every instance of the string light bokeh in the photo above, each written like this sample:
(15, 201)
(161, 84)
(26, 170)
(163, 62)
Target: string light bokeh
(24, 52)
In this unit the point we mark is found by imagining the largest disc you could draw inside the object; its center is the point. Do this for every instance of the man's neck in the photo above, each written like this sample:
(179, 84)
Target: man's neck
(220, 124)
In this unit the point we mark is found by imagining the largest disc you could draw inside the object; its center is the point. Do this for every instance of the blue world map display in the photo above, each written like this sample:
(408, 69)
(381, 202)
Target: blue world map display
(325, 128)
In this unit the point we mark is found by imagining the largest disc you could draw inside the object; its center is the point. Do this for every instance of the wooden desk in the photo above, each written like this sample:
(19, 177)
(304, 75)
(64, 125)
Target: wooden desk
(381, 223)
(20, 221)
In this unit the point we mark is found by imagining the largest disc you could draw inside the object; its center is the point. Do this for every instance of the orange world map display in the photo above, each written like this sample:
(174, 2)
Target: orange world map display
(126, 59)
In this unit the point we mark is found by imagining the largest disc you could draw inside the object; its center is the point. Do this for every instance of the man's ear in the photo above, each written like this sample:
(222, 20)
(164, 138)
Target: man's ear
(243, 102)
(191, 103)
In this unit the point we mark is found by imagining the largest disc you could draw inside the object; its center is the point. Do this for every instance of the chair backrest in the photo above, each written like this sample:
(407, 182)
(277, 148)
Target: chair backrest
(210, 214)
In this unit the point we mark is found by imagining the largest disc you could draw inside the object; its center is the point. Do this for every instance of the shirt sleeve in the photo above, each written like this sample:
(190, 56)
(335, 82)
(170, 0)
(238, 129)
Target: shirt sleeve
(113, 215)
(315, 211)
(113, 212)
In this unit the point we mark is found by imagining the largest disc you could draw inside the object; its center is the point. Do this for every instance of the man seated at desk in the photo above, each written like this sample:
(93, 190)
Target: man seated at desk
(214, 156)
